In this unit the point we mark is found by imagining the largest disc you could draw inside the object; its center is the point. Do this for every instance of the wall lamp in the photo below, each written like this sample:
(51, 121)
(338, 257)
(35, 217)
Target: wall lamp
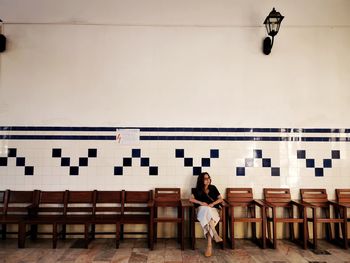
(272, 23)
(2, 39)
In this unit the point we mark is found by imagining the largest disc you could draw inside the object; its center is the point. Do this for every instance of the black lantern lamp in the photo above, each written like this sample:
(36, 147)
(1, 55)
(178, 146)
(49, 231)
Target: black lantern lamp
(2, 39)
(272, 23)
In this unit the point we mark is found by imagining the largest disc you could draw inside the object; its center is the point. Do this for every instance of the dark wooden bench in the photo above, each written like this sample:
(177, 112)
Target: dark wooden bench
(48, 210)
(108, 209)
(317, 200)
(164, 198)
(138, 209)
(16, 208)
(280, 199)
(78, 210)
(243, 198)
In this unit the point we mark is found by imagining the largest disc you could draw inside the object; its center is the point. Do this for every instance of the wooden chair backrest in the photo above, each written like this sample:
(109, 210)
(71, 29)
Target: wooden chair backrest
(316, 197)
(135, 202)
(343, 195)
(167, 197)
(239, 196)
(278, 196)
(51, 202)
(109, 202)
(79, 202)
(18, 202)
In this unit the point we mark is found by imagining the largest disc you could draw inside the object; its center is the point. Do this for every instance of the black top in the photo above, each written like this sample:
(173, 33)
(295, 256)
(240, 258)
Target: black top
(203, 197)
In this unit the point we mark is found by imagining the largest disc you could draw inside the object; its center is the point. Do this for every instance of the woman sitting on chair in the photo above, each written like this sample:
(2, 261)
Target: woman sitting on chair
(207, 199)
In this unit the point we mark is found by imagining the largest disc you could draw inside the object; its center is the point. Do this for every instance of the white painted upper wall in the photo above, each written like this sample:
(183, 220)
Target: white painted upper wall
(176, 12)
(174, 63)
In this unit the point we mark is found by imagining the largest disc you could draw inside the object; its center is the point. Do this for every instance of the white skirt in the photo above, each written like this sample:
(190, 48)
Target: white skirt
(204, 215)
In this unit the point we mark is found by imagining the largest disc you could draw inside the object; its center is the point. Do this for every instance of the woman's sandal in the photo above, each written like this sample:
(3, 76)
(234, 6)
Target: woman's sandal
(208, 252)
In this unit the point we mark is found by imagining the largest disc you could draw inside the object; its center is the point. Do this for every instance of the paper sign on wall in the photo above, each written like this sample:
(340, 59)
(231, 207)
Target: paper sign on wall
(128, 136)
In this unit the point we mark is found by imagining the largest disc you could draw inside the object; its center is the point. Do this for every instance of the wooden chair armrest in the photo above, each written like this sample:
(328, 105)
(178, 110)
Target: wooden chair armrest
(297, 203)
(268, 204)
(186, 203)
(308, 205)
(259, 203)
(334, 203)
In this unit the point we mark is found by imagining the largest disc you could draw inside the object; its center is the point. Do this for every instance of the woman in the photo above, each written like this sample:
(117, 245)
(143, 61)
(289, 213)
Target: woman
(207, 199)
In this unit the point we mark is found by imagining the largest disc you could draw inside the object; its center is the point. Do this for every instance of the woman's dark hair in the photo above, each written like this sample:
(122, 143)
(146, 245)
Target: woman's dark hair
(200, 182)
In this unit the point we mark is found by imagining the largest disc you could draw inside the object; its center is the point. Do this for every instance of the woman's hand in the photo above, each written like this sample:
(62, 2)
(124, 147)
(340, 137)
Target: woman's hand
(204, 204)
(211, 205)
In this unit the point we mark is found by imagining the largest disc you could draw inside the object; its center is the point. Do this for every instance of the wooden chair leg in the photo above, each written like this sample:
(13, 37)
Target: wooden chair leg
(3, 231)
(232, 234)
(33, 232)
(54, 235)
(121, 231)
(64, 232)
(151, 236)
(314, 229)
(263, 228)
(291, 225)
(86, 235)
(93, 231)
(117, 235)
(21, 235)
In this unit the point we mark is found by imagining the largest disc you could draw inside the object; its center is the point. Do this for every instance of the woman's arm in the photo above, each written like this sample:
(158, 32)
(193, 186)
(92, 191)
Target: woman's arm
(195, 201)
(218, 201)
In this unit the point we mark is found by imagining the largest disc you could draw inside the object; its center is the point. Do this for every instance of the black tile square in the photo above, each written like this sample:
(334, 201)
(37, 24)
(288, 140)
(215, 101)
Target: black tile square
(83, 161)
(249, 162)
(197, 170)
(144, 162)
(12, 152)
(188, 162)
(118, 170)
(301, 154)
(179, 153)
(29, 170)
(240, 171)
(335, 154)
(153, 170)
(3, 161)
(20, 161)
(257, 153)
(206, 162)
(74, 170)
(214, 153)
(127, 161)
(266, 162)
(275, 171)
(310, 163)
(327, 163)
(92, 153)
(65, 161)
(319, 172)
(56, 153)
(136, 153)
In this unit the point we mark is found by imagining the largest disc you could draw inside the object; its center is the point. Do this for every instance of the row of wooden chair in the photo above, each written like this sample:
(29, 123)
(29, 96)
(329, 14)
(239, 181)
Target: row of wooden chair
(278, 201)
(91, 208)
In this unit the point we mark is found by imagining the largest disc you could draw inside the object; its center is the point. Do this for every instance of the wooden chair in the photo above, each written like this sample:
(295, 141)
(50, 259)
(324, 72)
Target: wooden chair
(343, 198)
(169, 197)
(16, 208)
(78, 210)
(108, 210)
(243, 198)
(49, 209)
(138, 209)
(2, 211)
(193, 220)
(317, 200)
(280, 199)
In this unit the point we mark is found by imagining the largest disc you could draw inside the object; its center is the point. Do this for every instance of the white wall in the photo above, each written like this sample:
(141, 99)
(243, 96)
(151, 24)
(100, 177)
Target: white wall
(174, 63)
(183, 63)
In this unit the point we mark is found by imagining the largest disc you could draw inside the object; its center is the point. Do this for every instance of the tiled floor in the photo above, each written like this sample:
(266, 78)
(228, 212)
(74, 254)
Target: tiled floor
(166, 250)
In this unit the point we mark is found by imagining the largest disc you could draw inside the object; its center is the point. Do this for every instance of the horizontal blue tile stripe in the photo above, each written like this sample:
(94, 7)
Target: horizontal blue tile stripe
(175, 129)
(58, 137)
